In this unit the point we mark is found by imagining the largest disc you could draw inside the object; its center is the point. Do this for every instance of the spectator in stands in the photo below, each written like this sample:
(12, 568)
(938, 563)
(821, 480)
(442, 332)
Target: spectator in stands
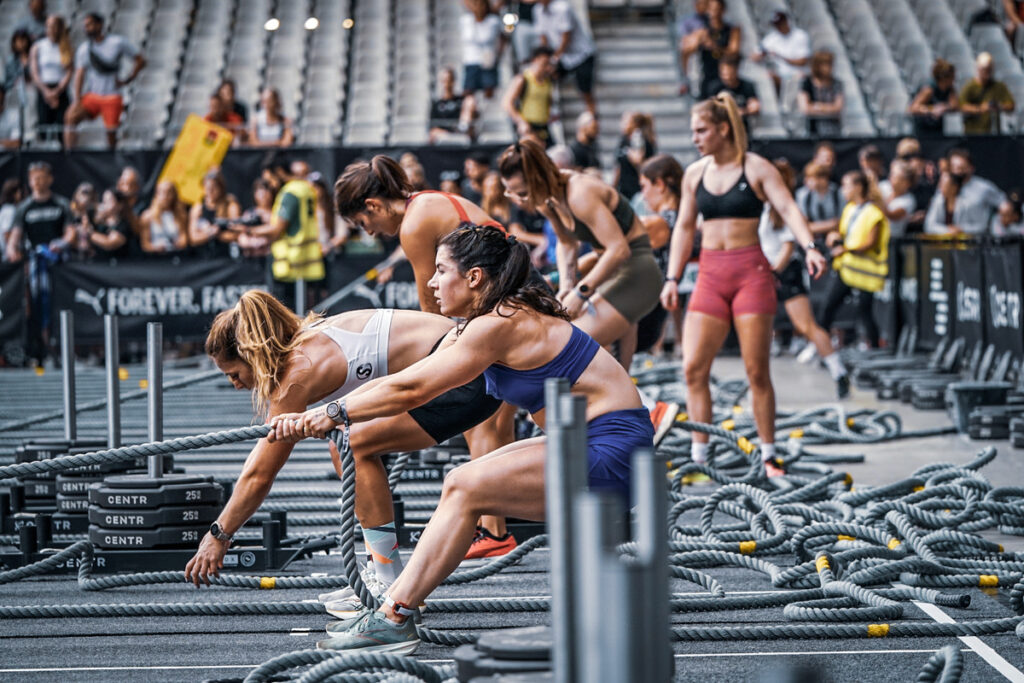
(164, 225)
(1014, 13)
(10, 125)
(861, 249)
(474, 170)
(97, 84)
(446, 112)
(584, 145)
(111, 230)
(819, 199)
(332, 230)
(482, 44)
(983, 96)
(18, 73)
(50, 60)
(742, 90)
(208, 229)
(871, 162)
(34, 23)
(898, 201)
(270, 127)
(226, 90)
(43, 222)
(978, 199)
(909, 150)
(821, 97)
(559, 28)
(11, 194)
(83, 214)
(451, 182)
(934, 100)
(527, 100)
(129, 184)
(257, 218)
(493, 200)
(788, 51)
(944, 214)
(717, 40)
(689, 41)
(637, 145)
(1009, 220)
(414, 170)
(220, 114)
(825, 155)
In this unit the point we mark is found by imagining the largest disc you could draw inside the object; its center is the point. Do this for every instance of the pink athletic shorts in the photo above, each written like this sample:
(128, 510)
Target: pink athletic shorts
(734, 282)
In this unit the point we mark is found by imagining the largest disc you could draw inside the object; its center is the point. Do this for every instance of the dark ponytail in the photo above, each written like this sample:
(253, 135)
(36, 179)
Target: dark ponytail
(506, 261)
(527, 157)
(380, 178)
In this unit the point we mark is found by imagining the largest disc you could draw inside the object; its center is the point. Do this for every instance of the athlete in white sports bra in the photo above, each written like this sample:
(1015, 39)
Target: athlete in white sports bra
(290, 364)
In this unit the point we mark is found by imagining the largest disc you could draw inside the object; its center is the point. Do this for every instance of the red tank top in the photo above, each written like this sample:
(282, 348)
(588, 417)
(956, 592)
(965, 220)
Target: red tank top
(463, 216)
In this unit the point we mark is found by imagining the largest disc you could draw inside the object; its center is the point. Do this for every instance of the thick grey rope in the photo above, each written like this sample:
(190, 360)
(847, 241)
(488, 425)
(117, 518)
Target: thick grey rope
(945, 666)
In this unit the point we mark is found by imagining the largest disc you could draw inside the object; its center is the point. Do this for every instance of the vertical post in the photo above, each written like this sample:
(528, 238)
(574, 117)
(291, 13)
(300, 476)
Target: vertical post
(67, 362)
(300, 297)
(649, 611)
(155, 381)
(112, 350)
(560, 486)
(603, 592)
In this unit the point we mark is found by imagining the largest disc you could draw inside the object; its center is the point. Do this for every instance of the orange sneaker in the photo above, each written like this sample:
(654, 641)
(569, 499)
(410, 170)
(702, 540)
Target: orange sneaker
(488, 545)
(773, 470)
(663, 417)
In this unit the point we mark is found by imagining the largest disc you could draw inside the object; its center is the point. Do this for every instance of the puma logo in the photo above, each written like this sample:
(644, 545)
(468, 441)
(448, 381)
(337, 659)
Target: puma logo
(93, 300)
(743, 186)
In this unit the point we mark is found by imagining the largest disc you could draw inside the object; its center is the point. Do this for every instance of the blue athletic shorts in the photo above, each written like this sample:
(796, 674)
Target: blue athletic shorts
(611, 440)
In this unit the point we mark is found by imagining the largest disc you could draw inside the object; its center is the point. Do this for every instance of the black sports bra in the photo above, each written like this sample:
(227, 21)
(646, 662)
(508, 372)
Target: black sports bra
(739, 201)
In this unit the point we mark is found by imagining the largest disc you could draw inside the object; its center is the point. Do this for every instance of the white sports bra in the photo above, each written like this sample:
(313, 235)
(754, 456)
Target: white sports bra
(366, 351)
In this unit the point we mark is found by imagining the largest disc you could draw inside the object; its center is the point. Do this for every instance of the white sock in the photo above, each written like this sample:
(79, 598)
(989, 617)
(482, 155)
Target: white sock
(835, 365)
(646, 400)
(699, 452)
(767, 452)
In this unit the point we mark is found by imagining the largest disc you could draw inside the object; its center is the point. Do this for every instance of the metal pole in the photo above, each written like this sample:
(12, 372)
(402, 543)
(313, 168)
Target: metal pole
(67, 363)
(300, 297)
(650, 612)
(155, 381)
(558, 501)
(113, 353)
(602, 584)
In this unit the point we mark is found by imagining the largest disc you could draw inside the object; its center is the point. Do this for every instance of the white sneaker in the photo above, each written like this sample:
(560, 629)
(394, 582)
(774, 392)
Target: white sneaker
(808, 354)
(367, 574)
(349, 606)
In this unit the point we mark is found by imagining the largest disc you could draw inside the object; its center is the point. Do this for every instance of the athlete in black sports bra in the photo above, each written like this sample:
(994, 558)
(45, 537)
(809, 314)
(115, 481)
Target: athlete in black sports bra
(735, 285)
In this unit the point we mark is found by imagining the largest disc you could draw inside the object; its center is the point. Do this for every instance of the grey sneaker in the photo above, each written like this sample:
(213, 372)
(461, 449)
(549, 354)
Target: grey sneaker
(339, 626)
(349, 606)
(367, 574)
(372, 632)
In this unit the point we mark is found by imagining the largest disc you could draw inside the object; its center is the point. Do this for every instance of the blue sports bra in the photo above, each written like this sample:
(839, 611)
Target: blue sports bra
(525, 388)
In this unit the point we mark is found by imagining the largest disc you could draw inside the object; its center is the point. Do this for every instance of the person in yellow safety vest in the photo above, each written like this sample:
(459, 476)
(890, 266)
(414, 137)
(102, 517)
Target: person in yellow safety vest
(295, 233)
(861, 251)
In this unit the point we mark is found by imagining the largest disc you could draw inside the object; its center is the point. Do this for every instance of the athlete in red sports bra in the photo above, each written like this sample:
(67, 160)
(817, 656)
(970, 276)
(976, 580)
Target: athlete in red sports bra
(735, 282)
(378, 196)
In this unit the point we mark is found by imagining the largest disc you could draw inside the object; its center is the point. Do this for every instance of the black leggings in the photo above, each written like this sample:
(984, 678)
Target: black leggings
(50, 120)
(837, 291)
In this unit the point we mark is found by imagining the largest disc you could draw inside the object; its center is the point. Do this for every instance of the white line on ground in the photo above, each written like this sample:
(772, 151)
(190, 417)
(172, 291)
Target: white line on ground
(993, 658)
(169, 667)
(802, 653)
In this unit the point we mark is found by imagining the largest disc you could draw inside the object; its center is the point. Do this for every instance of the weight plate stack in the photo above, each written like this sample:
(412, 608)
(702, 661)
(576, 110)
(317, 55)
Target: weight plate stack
(509, 652)
(138, 511)
(994, 432)
(73, 492)
(1017, 432)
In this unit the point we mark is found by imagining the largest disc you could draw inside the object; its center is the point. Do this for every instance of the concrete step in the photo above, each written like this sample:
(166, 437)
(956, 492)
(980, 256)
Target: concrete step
(613, 59)
(634, 75)
(621, 30)
(678, 106)
(626, 43)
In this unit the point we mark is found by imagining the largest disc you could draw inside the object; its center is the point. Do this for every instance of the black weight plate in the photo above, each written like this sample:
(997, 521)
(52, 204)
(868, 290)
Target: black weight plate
(44, 449)
(134, 539)
(72, 504)
(75, 486)
(1017, 440)
(1017, 424)
(532, 642)
(929, 404)
(153, 517)
(138, 491)
(985, 420)
(39, 488)
(988, 433)
(471, 664)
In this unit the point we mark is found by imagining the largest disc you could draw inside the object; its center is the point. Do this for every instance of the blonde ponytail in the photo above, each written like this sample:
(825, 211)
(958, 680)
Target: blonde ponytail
(722, 109)
(261, 332)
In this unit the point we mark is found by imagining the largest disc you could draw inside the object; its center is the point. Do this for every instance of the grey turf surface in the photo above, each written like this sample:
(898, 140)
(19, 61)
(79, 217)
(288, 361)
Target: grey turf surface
(189, 648)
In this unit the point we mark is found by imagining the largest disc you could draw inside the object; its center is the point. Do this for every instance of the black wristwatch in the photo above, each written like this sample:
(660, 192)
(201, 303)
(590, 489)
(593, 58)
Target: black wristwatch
(217, 531)
(811, 245)
(582, 291)
(336, 411)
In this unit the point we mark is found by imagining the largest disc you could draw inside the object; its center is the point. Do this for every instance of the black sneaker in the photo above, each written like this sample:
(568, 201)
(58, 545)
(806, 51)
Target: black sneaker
(843, 386)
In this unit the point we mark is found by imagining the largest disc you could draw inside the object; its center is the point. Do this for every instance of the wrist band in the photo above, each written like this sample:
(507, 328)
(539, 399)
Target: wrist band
(672, 279)
(581, 295)
(399, 607)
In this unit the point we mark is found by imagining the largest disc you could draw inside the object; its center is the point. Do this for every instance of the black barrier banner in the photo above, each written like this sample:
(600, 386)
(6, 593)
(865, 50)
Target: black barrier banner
(184, 296)
(909, 286)
(399, 291)
(886, 306)
(1003, 282)
(937, 289)
(12, 307)
(969, 309)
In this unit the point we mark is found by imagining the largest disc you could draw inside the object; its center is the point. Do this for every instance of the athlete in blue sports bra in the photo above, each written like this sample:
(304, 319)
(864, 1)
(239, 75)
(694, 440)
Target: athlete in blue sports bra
(517, 335)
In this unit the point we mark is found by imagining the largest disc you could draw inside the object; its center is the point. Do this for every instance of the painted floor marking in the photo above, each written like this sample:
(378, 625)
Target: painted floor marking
(993, 658)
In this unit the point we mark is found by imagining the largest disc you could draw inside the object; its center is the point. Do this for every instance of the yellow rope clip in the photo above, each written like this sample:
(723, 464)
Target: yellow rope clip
(371, 274)
(821, 563)
(988, 580)
(728, 425)
(748, 547)
(737, 410)
(682, 417)
(878, 630)
(143, 384)
(745, 445)
(122, 374)
(893, 543)
(844, 537)
(848, 479)
(918, 488)
(796, 434)
(268, 582)
(849, 422)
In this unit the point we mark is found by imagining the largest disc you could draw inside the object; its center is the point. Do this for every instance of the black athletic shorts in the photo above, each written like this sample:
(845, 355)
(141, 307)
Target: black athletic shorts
(790, 282)
(456, 410)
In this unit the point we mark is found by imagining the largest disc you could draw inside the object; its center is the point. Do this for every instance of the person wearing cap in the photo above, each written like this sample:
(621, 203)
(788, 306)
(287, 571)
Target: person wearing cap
(983, 95)
(789, 50)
